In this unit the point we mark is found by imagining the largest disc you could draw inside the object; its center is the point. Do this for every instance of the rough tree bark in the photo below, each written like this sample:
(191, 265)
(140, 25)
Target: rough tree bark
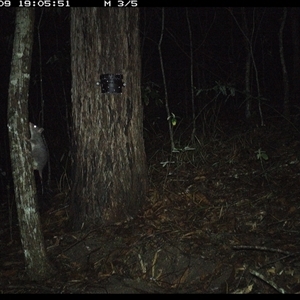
(37, 265)
(110, 175)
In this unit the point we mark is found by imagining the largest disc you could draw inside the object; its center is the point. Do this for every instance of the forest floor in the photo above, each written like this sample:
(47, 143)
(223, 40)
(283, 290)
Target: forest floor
(221, 218)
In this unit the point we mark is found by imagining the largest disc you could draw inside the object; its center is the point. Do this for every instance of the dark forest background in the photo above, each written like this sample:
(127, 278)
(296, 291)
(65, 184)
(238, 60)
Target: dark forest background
(219, 67)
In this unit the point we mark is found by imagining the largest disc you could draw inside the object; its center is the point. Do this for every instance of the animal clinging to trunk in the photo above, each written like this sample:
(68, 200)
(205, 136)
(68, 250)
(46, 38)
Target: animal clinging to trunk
(39, 150)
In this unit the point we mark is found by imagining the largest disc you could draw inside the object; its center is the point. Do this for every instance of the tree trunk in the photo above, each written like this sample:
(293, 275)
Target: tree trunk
(248, 63)
(36, 262)
(109, 169)
(248, 86)
(286, 85)
(296, 53)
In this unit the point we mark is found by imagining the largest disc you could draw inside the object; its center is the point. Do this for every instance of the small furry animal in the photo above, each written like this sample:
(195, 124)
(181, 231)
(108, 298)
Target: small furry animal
(39, 150)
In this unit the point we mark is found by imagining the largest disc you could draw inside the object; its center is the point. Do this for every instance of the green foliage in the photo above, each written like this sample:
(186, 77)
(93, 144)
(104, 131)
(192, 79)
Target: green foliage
(261, 155)
(172, 119)
(150, 93)
(225, 89)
